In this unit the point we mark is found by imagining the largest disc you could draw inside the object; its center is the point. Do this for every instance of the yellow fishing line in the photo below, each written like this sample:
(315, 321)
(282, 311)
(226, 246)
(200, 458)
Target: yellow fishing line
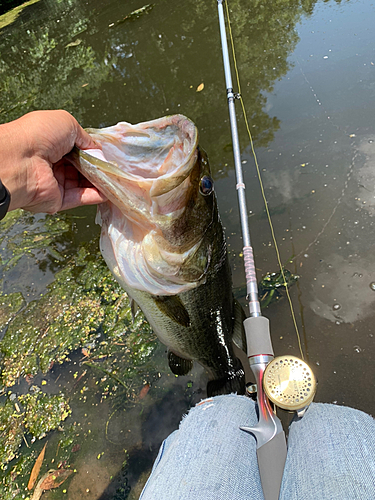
(261, 184)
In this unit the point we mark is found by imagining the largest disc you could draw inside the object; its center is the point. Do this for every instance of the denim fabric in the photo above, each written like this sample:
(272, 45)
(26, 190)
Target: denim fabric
(209, 457)
(331, 455)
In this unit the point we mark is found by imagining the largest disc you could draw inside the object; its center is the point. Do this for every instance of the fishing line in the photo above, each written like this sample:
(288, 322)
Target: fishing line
(239, 96)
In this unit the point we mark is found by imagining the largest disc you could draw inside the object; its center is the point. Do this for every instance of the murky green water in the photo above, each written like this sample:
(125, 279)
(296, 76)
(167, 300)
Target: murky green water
(307, 72)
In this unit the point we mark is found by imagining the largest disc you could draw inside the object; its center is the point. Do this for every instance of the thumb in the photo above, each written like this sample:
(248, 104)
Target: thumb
(84, 140)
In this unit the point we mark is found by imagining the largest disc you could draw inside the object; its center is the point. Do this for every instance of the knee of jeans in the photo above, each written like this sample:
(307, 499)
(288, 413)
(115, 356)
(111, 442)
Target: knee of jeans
(165, 445)
(162, 450)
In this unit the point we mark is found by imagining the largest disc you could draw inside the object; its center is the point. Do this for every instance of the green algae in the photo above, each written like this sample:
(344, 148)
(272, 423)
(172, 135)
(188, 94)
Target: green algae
(11, 422)
(43, 412)
(82, 309)
(29, 414)
(10, 305)
(70, 314)
(22, 234)
(10, 220)
(13, 481)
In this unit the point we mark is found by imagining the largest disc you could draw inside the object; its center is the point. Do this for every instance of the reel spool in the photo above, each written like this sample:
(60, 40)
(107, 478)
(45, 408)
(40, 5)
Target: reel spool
(289, 383)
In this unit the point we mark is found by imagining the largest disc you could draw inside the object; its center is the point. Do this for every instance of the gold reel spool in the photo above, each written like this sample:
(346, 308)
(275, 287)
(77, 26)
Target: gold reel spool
(289, 383)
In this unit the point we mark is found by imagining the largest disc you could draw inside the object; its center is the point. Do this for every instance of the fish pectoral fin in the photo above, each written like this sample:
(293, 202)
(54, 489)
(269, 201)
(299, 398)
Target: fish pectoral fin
(133, 308)
(178, 365)
(233, 382)
(239, 336)
(172, 306)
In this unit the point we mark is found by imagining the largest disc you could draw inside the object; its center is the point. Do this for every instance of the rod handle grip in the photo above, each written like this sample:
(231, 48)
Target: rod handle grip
(258, 338)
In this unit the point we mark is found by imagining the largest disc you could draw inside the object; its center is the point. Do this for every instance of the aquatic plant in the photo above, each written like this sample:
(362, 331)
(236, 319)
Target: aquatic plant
(82, 308)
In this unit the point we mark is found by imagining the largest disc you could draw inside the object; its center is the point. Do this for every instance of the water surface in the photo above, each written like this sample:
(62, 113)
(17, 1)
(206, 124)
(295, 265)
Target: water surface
(307, 73)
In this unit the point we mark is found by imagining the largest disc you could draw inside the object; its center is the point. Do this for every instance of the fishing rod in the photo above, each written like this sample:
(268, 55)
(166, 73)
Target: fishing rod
(285, 381)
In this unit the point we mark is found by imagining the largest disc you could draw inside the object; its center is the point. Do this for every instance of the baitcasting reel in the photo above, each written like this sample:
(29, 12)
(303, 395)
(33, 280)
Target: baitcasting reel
(289, 383)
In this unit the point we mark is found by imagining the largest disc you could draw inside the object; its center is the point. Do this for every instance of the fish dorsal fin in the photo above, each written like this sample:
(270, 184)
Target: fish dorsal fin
(239, 337)
(178, 365)
(172, 306)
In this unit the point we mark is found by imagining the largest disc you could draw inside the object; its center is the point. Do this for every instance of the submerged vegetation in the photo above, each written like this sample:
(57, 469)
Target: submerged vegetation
(273, 285)
(35, 413)
(82, 308)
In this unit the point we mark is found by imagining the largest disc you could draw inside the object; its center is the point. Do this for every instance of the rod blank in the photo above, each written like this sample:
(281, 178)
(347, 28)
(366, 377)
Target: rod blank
(251, 282)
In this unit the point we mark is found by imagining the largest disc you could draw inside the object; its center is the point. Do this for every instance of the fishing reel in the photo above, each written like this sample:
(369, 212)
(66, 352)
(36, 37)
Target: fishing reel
(286, 381)
(289, 383)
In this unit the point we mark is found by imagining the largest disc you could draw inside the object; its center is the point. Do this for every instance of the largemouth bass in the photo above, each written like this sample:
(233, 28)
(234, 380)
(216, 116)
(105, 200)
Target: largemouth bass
(163, 240)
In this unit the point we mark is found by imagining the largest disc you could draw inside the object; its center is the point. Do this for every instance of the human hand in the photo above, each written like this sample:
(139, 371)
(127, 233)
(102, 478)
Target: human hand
(33, 167)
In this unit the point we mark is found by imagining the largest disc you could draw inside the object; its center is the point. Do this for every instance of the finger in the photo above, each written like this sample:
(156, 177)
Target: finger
(81, 196)
(84, 140)
(68, 176)
(81, 138)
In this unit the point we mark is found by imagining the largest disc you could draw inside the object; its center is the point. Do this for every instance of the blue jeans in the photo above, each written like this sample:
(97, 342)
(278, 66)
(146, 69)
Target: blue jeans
(331, 455)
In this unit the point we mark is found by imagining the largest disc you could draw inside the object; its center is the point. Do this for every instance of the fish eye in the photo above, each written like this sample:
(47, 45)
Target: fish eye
(206, 185)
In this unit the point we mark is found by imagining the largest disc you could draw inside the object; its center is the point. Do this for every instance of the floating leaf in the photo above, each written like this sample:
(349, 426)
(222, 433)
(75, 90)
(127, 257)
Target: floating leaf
(135, 14)
(143, 10)
(74, 44)
(38, 492)
(52, 479)
(200, 87)
(144, 391)
(36, 468)
(55, 478)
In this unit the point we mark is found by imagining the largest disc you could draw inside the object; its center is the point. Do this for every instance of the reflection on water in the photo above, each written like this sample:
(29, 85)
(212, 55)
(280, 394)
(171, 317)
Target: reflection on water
(99, 63)
(307, 73)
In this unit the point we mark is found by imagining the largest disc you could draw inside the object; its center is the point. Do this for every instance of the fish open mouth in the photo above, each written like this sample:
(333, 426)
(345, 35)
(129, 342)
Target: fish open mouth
(150, 174)
(145, 161)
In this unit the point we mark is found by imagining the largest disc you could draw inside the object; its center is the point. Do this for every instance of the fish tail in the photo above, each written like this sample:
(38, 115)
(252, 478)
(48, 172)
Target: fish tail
(232, 383)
